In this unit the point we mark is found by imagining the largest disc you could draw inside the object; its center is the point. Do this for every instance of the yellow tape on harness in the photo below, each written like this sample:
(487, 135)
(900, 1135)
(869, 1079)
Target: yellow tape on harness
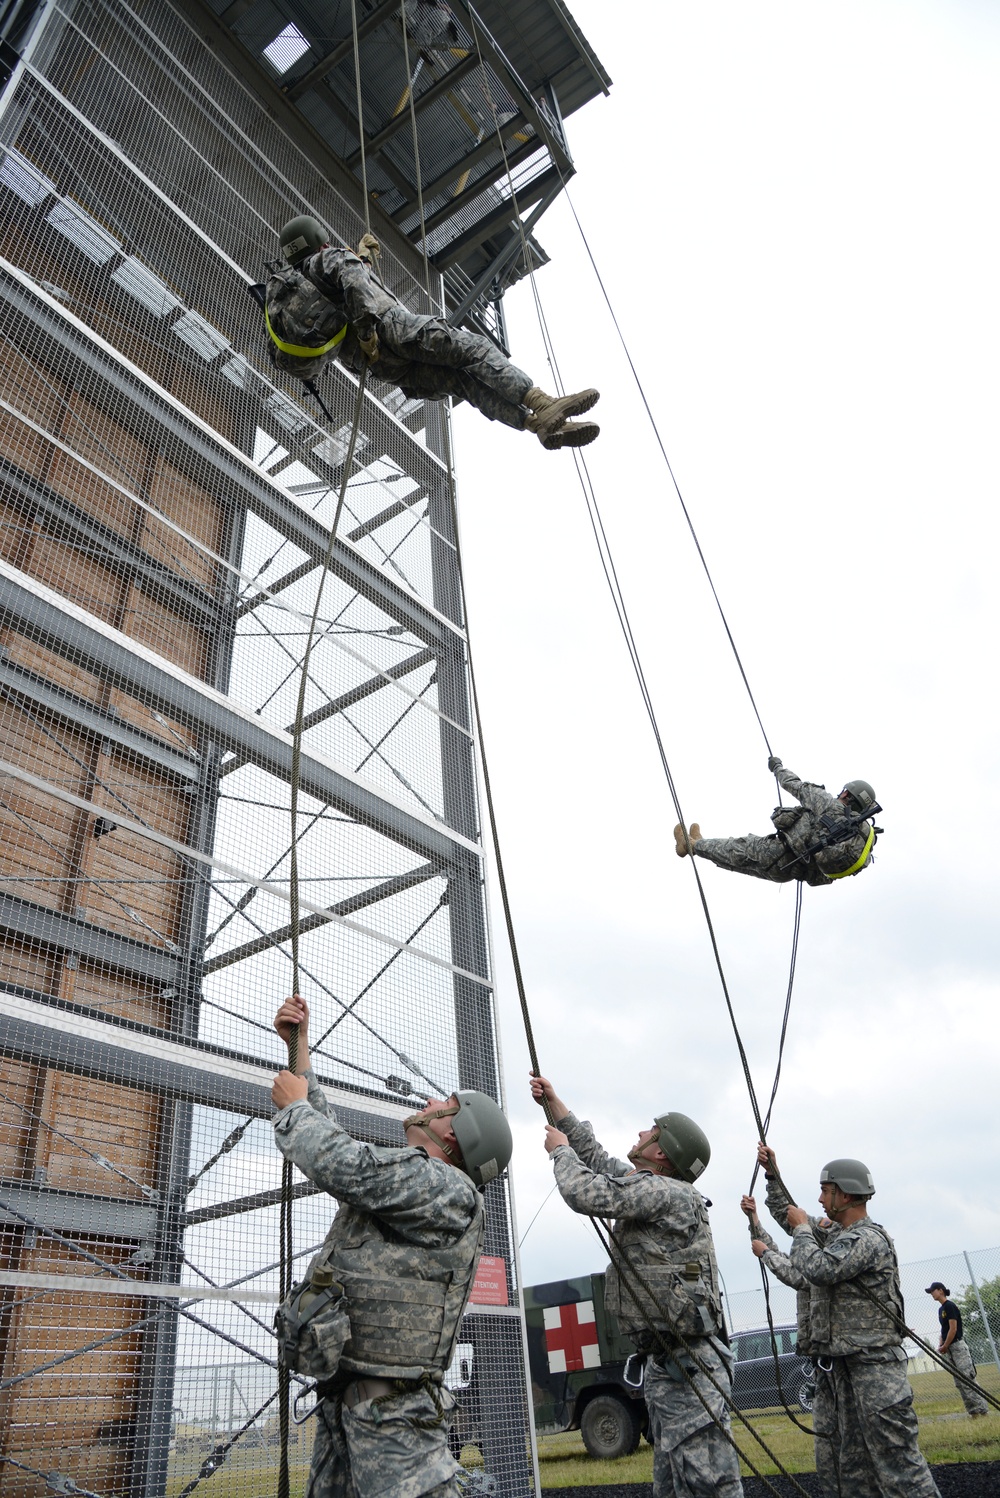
(305, 350)
(860, 862)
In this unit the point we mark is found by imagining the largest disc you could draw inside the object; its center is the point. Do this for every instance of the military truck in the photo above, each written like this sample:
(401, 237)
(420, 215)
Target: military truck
(585, 1376)
(580, 1369)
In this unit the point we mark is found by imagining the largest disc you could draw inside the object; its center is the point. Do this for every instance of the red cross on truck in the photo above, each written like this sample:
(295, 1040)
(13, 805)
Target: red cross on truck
(578, 1358)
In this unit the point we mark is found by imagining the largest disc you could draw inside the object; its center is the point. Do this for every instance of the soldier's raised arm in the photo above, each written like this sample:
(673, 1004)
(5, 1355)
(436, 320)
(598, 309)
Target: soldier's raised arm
(815, 797)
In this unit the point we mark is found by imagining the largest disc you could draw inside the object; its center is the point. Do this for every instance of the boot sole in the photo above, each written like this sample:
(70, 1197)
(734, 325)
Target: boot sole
(570, 436)
(564, 409)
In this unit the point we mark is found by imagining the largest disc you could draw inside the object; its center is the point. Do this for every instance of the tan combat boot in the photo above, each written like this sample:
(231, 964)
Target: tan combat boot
(550, 412)
(571, 434)
(684, 841)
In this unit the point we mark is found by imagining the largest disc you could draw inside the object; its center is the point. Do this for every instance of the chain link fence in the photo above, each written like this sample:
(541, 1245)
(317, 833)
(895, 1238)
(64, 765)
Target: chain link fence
(971, 1277)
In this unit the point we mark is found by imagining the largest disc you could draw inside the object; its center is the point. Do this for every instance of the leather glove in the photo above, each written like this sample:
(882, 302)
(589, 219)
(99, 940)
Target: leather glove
(369, 248)
(774, 763)
(369, 347)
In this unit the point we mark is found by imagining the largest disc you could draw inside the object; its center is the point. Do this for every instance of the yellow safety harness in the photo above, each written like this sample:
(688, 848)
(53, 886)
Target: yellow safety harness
(859, 863)
(305, 350)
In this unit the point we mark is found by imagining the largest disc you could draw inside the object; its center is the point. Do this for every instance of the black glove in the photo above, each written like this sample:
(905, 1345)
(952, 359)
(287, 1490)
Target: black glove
(774, 763)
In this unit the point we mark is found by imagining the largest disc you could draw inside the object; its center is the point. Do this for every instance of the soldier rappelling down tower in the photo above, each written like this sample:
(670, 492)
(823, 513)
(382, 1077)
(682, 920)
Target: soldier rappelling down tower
(326, 303)
(826, 837)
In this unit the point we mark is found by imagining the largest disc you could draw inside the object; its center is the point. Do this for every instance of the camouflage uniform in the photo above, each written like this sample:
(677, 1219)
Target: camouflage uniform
(427, 358)
(659, 1219)
(863, 1416)
(395, 1446)
(959, 1357)
(799, 827)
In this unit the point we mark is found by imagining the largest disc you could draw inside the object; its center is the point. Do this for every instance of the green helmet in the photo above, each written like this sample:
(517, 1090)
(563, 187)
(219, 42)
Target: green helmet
(861, 793)
(852, 1176)
(300, 237)
(483, 1135)
(684, 1144)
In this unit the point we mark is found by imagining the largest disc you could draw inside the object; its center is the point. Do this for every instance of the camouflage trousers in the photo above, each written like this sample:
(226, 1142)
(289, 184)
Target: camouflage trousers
(384, 1449)
(866, 1431)
(691, 1456)
(429, 359)
(762, 857)
(959, 1357)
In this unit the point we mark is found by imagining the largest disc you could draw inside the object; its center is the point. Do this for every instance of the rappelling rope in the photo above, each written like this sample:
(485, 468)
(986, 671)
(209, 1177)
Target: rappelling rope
(285, 1228)
(285, 1231)
(417, 172)
(622, 1256)
(361, 114)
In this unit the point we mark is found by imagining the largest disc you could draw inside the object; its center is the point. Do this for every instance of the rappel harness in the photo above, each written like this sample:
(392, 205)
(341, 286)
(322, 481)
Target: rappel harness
(305, 350)
(840, 829)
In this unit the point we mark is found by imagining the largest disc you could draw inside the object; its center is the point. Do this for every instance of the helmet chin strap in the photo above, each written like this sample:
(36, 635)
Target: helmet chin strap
(421, 1121)
(638, 1152)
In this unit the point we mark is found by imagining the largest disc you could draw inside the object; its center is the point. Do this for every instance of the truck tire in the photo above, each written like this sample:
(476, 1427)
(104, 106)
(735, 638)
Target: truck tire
(807, 1395)
(610, 1427)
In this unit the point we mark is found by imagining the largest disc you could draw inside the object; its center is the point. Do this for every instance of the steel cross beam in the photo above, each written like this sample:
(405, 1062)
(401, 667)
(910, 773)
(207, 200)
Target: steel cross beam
(547, 186)
(430, 96)
(505, 72)
(499, 263)
(19, 685)
(69, 631)
(360, 901)
(319, 70)
(138, 1057)
(349, 699)
(182, 434)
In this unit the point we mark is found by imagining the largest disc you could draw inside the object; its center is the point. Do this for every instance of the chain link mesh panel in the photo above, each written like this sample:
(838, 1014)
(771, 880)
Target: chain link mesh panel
(165, 503)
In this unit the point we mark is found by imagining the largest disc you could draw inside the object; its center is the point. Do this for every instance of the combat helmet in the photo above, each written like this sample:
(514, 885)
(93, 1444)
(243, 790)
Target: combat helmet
(300, 237)
(481, 1130)
(685, 1145)
(483, 1135)
(852, 1176)
(861, 793)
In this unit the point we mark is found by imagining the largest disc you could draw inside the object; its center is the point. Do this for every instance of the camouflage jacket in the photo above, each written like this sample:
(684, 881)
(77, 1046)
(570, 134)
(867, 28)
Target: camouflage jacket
(663, 1277)
(860, 1258)
(332, 293)
(801, 827)
(777, 1205)
(405, 1241)
(782, 1268)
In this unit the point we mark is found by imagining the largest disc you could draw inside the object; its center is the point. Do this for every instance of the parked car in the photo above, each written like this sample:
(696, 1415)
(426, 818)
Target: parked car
(755, 1381)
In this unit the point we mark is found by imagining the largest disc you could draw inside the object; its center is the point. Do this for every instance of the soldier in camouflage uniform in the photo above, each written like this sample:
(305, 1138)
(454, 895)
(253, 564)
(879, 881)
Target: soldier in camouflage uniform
(822, 839)
(327, 303)
(663, 1280)
(863, 1413)
(404, 1245)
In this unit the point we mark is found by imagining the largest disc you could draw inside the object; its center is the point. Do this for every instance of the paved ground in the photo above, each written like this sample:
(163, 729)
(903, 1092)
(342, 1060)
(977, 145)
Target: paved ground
(960, 1480)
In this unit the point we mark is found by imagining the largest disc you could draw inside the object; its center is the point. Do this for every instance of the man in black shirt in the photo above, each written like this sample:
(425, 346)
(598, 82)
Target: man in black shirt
(953, 1349)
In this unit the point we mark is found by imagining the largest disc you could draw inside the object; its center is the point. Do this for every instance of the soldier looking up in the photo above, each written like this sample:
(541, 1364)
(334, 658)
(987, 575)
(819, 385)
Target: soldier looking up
(823, 839)
(863, 1413)
(663, 1280)
(403, 1250)
(327, 303)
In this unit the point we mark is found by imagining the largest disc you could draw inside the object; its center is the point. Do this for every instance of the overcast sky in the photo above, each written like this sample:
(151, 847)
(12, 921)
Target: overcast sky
(795, 209)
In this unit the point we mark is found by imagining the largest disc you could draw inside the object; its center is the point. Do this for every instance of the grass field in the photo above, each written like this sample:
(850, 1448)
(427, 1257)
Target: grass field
(946, 1435)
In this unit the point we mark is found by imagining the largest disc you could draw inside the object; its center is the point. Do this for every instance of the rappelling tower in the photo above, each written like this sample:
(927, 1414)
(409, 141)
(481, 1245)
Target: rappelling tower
(165, 502)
